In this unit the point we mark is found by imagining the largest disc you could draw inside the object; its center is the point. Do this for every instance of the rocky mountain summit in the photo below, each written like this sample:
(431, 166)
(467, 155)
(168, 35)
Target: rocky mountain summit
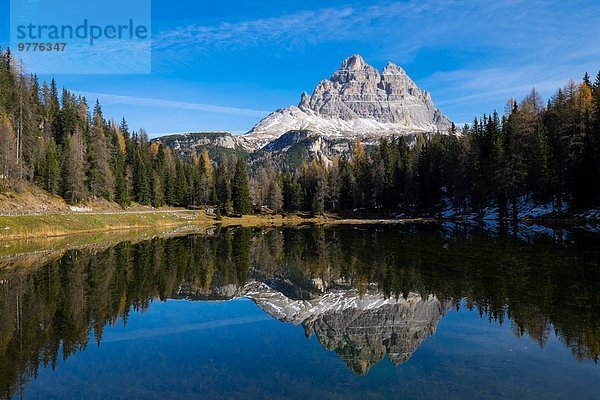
(356, 101)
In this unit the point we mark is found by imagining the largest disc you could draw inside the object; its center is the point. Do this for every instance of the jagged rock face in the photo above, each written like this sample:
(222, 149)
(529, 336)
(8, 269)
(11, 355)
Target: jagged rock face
(356, 101)
(357, 90)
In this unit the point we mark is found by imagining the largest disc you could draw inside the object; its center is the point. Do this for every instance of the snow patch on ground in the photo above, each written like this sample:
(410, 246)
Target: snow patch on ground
(80, 209)
(526, 209)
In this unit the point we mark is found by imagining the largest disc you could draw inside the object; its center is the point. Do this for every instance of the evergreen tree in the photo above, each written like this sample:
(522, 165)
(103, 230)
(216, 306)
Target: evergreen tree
(240, 193)
(141, 171)
(207, 180)
(292, 193)
(533, 152)
(181, 185)
(73, 168)
(223, 187)
(100, 175)
(52, 168)
(348, 199)
(8, 151)
(158, 195)
(53, 111)
(429, 175)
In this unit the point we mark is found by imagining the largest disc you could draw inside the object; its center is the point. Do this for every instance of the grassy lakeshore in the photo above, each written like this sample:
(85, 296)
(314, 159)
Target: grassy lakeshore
(53, 225)
(56, 225)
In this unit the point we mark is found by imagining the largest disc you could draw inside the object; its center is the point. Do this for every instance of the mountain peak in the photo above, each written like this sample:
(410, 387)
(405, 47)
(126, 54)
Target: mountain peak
(354, 68)
(357, 100)
(354, 62)
(304, 101)
(393, 69)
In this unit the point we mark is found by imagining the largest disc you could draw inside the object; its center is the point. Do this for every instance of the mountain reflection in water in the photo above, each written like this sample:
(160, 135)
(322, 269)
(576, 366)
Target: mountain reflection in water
(364, 293)
(360, 328)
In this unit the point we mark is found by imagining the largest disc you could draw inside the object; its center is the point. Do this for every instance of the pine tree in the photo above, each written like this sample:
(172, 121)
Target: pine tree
(53, 111)
(275, 197)
(158, 194)
(120, 169)
(8, 95)
(8, 151)
(348, 199)
(141, 178)
(359, 171)
(404, 184)
(587, 81)
(52, 181)
(207, 179)
(240, 193)
(515, 157)
(332, 201)
(292, 193)
(181, 184)
(100, 175)
(429, 175)
(73, 168)
(223, 188)
(33, 136)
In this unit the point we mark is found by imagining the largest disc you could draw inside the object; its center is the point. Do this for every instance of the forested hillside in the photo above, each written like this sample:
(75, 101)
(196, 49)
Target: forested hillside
(547, 152)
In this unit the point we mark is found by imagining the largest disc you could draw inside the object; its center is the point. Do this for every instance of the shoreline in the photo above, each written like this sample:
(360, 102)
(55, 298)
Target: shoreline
(57, 225)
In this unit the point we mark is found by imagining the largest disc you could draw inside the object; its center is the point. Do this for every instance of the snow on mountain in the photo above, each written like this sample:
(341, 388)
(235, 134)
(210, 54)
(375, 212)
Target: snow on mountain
(357, 101)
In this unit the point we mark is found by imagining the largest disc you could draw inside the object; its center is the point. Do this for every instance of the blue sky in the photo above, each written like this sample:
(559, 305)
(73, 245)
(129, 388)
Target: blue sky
(224, 65)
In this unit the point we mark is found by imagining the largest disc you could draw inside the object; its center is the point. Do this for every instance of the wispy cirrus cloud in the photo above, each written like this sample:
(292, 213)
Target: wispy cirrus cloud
(107, 98)
(498, 82)
(304, 27)
(467, 93)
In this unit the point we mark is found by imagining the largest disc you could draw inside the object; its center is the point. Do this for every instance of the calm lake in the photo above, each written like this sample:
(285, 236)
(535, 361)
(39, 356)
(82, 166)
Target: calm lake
(402, 311)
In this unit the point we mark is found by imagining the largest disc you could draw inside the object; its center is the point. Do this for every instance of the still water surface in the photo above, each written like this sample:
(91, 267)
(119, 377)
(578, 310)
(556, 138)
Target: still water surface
(412, 312)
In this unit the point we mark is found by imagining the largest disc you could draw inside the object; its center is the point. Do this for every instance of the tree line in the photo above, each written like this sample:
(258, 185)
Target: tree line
(536, 152)
(533, 151)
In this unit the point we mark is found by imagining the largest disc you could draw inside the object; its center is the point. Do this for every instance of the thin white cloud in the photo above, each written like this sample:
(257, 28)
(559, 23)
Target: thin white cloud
(465, 94)
(326, 24)
(107, 98)
(472, 86)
